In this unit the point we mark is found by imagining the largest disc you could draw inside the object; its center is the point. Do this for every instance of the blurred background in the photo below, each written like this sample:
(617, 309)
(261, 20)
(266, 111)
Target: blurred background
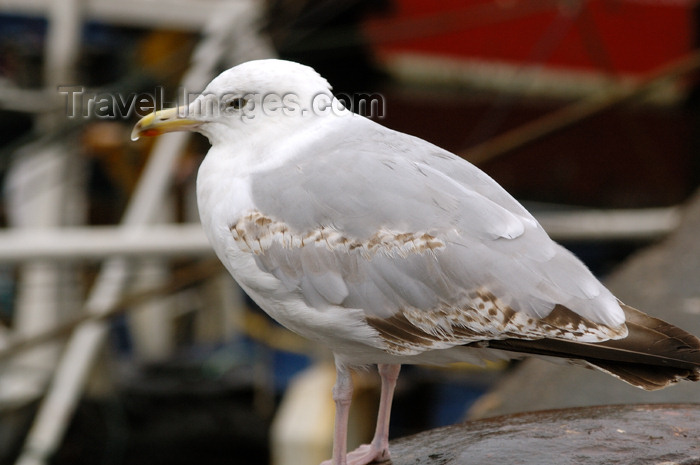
(122, 340)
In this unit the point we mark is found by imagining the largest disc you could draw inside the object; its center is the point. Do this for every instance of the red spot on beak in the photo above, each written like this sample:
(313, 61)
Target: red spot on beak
(151, 132)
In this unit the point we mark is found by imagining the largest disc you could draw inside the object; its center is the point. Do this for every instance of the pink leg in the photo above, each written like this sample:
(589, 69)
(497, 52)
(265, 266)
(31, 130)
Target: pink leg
(342, 395)
(378, 449)
(380, 443)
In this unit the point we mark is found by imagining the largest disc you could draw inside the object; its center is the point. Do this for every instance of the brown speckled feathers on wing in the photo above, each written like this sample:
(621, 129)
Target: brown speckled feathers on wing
(653, 355)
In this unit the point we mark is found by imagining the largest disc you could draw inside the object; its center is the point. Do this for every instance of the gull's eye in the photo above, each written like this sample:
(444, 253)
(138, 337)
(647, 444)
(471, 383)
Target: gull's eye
(237, 103)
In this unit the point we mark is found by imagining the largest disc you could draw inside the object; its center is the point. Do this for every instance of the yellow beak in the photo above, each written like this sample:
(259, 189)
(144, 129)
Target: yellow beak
(160, 122)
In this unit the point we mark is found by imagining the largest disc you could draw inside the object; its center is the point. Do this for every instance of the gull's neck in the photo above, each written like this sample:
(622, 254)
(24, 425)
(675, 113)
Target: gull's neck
(224, 177)
(267, 146)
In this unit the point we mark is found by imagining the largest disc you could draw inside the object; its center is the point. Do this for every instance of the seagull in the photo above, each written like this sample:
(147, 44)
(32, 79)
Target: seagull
(390, 250)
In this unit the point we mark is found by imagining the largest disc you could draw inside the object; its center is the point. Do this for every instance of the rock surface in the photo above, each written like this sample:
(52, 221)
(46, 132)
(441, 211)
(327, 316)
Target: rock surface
(623, 435)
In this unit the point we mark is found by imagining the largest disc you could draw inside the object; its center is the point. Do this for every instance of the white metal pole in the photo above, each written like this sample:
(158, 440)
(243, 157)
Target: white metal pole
(72, 244)
(40, 179)
(62, 47)
(35, 190)
(188, 239)
(151, 326)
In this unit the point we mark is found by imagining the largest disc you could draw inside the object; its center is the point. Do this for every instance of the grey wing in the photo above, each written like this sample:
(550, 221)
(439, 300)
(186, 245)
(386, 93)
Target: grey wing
(421, 241)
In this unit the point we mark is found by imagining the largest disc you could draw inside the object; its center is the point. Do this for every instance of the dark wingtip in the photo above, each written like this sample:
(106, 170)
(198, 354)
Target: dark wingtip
(655, 354)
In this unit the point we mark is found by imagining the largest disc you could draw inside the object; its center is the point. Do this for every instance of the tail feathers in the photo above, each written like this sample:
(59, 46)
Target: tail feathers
(653, 355)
